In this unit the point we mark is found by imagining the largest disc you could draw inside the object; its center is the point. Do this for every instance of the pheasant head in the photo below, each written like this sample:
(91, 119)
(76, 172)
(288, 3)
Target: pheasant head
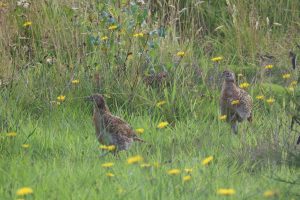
(228, 76)
(98, 101)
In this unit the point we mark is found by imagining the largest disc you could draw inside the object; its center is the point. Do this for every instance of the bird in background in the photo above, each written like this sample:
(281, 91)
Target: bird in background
(235, 102)
(110, 129)
(156, 79)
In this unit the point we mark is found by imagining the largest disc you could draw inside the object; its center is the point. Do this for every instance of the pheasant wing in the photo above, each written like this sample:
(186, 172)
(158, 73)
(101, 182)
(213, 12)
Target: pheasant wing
(116, 125)
(244, 107)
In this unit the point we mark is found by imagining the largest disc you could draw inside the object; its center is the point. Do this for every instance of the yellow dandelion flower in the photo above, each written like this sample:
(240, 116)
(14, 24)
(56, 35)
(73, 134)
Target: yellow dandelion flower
(270, 193)
(104, 38)
(223, 117)
(162, 125)
(217, 59)
(180, 53)
(145, 165)
(107, 165)
(244, 85)
(11, 134)
(260, 97)
(268, 66)
(24, 191)
(61, 98)
(140, 130)
(291, 89)
(25, 146)
(111, 147)
(270, 101)
(235, 102)
(75, 82)
(293, 83)
(26, 24)
(173, 171)
(134, 159)
(286, 76)
(112, 27)
(226, 192)
(108, 147)
(207, 160)
(160, 103)
(188, 170)
(186, 178)
(138, 34)
(104, 147)
(110, 174)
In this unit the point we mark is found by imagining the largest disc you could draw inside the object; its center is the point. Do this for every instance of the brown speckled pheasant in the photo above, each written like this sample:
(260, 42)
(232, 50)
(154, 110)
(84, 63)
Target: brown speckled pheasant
(156, 79)
(235, 102)
(110, 129)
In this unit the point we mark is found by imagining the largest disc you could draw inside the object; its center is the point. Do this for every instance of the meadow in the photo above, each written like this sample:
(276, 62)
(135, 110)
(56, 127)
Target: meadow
(155, 62)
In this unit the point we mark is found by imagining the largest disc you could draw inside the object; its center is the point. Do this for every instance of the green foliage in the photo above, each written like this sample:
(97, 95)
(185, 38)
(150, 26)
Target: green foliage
(127, 51)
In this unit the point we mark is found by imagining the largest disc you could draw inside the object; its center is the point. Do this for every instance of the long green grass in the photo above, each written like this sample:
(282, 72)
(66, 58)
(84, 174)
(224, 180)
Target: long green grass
(65, 41)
